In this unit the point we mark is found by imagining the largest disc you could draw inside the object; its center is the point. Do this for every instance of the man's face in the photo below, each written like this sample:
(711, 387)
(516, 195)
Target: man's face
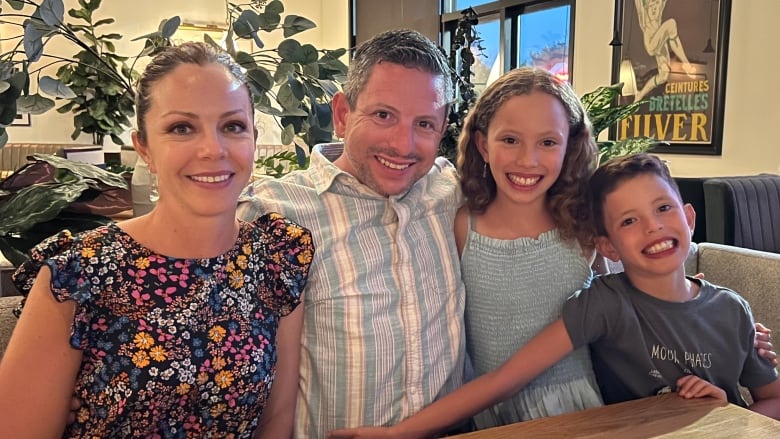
(392, 136)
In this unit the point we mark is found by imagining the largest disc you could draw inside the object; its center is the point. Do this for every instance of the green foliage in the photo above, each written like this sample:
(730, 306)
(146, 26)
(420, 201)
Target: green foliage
(101, 104)
(604, 111)
(35, 211)
(461, 58)
(96, 82)
(281, 163)
(294, 82)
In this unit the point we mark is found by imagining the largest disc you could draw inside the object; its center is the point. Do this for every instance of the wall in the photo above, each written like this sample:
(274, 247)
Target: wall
(749, 145)
(139, 17)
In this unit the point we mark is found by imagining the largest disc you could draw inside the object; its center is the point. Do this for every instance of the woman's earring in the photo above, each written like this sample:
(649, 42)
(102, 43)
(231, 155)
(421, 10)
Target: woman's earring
(484, 170)
(153, 194)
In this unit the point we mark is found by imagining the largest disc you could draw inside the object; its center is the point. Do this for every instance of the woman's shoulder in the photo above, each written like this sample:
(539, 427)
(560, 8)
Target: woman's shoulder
(275, 221)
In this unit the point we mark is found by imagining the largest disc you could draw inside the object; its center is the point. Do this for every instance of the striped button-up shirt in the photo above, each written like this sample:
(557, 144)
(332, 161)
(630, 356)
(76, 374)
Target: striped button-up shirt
(383, 328)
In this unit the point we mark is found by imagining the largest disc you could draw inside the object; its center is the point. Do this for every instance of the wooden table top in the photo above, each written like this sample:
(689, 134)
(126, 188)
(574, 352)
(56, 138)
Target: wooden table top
(658, 416)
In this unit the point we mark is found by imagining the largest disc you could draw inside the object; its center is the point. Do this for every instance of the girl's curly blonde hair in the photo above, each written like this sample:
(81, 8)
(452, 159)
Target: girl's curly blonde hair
(566, 199)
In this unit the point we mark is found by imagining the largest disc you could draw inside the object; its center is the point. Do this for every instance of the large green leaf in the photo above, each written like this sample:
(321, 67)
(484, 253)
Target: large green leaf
(311, 69)
(55, 87)
(294, 24)
(288, 133)
(16, 4)
(261, 78)
(247, 23)
(289, 50)
(169, 26)
(34, 104)
(269, 21)
(286, 98)
(85, 170)
(37, 203)
(33, 42)
(274, 7)
(52, 12)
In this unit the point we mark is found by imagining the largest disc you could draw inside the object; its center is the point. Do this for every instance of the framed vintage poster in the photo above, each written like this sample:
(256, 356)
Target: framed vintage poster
(673, 56)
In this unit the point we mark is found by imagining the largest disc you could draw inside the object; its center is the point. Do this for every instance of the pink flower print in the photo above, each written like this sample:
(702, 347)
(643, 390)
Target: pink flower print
(100, 325)
(138, 275)
(231, 399)
(143, 326)
(160, 273)
(166, 295)
(206, 366)
(139, 297)
(192, 423)
(163, 336)
(156, 258)
(99, 353)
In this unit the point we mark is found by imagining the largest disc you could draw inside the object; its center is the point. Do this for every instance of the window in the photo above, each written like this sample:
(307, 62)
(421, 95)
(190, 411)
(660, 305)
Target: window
(517, 33)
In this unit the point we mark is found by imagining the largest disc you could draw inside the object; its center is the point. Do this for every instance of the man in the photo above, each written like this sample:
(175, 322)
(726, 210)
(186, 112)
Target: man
(383, 333)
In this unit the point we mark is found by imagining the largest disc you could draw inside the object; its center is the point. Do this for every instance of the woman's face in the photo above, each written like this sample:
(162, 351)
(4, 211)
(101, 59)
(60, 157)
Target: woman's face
(199, 139)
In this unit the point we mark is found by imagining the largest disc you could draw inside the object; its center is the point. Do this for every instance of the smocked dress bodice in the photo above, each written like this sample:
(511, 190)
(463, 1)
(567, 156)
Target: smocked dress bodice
(514, 289)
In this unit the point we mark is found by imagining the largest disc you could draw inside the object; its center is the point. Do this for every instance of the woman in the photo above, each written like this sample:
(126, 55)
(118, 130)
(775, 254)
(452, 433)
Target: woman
(172, 323)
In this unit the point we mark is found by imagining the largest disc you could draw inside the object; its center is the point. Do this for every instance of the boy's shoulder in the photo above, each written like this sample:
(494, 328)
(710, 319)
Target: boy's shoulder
(723, 296)
(618, 284)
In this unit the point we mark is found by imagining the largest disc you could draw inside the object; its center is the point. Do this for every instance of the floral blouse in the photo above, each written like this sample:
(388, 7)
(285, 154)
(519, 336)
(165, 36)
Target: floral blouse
(174, 347)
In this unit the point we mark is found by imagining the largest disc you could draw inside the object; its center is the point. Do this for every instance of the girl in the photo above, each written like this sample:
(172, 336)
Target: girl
(525, 154)
(175, 323)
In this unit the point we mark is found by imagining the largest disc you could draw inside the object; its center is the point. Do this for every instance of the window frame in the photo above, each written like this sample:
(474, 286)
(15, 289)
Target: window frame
(509, 13)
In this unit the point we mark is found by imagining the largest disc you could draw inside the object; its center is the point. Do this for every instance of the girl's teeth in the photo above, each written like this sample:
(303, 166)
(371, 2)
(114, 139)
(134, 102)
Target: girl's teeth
(210, 179)
(524, 181)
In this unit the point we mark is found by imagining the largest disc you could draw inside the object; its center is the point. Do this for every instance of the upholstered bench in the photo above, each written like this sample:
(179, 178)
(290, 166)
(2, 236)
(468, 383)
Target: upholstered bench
(14, 155)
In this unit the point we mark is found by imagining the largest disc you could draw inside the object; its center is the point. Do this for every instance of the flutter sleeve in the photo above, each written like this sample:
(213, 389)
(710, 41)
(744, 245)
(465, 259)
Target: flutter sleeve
(290, 254)
(65, 255)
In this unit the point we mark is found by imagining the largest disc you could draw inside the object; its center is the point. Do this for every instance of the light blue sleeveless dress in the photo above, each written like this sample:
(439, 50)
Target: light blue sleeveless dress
(514, 289)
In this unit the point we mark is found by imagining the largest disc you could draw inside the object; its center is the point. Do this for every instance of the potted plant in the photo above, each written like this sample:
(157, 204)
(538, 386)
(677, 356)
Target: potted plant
(604, 111)
(293, 82)
(96, 82)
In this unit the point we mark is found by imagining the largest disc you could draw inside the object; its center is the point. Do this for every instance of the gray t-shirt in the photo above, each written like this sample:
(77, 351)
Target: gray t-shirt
(641, 345)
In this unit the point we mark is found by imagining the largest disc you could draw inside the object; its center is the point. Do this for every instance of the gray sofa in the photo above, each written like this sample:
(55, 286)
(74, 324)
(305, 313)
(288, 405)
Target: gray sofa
(752, 273)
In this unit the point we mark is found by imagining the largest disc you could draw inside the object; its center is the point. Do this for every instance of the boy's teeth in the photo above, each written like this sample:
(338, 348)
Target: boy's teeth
(210, 179)
(661, 246)
(392, 165)
(524, 181)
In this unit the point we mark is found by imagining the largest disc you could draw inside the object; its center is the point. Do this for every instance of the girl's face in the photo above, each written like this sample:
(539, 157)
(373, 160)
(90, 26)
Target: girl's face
(525, 146)
(200, 139)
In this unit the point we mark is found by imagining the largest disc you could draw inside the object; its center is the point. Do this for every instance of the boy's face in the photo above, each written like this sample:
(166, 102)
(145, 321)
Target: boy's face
(647, 226)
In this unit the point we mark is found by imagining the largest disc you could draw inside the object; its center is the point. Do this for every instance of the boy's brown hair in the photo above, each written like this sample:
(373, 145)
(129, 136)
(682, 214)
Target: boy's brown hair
(609, 175)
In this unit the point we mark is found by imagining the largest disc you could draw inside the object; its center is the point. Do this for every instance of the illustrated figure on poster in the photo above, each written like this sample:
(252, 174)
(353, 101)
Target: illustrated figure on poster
(659, 37)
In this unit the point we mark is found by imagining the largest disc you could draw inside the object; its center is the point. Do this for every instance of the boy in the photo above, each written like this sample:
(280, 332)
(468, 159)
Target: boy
(651, 329)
